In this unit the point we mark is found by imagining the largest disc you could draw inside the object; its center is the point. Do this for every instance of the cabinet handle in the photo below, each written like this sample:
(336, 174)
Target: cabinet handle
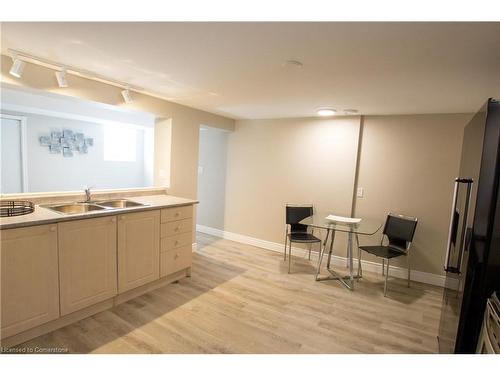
(176, 255)
(177, 242)
(53, 229)
(177, 214)
(179, 227)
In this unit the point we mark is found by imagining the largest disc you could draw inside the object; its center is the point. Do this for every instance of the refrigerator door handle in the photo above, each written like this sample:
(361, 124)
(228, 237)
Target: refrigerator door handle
(464, 226)
(452, 222)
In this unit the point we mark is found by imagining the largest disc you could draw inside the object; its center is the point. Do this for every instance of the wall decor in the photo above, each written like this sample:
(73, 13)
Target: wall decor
(66, 142)
(67, 152)
(55, 149)
(45, 141)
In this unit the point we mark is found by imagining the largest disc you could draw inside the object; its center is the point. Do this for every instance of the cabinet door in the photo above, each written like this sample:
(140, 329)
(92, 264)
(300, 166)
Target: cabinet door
(138, 249)
(30, 289)
(87, 262)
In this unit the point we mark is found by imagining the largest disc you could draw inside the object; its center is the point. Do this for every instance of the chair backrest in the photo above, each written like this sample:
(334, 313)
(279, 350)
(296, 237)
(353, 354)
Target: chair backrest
(400, 230)
(296, 213)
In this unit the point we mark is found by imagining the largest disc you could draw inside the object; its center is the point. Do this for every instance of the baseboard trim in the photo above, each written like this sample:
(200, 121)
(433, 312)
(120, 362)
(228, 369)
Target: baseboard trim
(398, 272)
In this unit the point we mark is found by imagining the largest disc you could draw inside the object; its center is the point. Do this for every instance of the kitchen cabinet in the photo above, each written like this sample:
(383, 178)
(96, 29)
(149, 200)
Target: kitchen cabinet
(29, 278)
(175, 260)
(87, 262)
(138, 249)
(176, 240)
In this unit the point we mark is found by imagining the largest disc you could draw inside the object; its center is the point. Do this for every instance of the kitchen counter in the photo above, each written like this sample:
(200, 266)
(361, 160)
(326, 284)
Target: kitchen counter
(43, 215)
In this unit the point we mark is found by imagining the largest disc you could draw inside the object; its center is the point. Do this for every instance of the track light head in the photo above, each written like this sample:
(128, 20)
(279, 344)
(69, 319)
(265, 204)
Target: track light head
(127, 96)
(61, 78)
(17, 67)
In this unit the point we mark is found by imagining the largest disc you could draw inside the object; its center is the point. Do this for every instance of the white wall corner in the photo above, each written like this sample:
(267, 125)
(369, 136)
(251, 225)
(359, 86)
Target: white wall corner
(194, 246)
(398, 272)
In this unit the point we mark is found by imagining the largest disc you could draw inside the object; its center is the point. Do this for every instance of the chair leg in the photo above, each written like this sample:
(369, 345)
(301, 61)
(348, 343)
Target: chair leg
(360, 270)
(310, 246)
(383, 265)
(409, 270)
(289, 255)
(286, 239)
(386, 275)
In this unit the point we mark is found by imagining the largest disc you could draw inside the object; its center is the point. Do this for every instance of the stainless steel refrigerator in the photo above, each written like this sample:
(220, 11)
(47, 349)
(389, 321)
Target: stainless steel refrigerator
(472, 262)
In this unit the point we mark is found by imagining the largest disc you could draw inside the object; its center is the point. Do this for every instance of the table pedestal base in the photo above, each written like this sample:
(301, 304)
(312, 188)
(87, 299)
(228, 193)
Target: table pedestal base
(347, 280)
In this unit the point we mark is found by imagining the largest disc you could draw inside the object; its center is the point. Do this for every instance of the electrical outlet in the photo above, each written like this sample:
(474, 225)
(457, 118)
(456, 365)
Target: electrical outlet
(360, 192)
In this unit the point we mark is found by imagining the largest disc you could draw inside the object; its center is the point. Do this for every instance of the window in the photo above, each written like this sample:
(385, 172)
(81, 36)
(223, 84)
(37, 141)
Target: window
(120, 143)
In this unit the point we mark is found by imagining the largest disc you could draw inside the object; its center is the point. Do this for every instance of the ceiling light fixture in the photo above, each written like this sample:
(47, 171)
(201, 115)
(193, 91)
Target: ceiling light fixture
(71, 70)
(17, 67)
(324, 112)
(127, 96)
(61, 78)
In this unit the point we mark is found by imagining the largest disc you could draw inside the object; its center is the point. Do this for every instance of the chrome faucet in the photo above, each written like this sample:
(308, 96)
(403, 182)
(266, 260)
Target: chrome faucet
(88, 194)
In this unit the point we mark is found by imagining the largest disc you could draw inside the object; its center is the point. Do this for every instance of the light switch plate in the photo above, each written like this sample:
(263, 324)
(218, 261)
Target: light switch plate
(360, 192)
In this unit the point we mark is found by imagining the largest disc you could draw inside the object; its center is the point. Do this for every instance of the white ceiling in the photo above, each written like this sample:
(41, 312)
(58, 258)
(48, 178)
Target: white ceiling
(236, 69)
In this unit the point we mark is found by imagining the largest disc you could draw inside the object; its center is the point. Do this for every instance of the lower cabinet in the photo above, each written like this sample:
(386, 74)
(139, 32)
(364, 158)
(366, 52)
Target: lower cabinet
(138, 249)
(29, 278)
(87, 262)
(49, 271)
(175, 260)
(176, 239)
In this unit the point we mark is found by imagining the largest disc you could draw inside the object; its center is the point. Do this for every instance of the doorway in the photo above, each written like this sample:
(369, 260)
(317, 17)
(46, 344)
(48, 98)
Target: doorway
(13, 163)
(212, 165)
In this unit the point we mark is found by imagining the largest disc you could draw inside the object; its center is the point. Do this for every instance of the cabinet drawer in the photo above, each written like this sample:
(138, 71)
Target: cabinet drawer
(175, 260)
(176, 227)
(176, 213)
(173, 242)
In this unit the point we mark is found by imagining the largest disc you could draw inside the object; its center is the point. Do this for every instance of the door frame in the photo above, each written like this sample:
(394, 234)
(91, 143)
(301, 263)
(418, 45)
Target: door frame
(24, 148)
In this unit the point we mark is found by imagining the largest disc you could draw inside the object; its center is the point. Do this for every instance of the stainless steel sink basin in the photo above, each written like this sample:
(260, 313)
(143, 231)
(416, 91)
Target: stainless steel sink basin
(119, 203)
(75, 208)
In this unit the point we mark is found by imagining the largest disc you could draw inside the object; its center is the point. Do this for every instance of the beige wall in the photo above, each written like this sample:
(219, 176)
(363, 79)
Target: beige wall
(212, 177)
(185, 120)
(274, 162)
(407, 165)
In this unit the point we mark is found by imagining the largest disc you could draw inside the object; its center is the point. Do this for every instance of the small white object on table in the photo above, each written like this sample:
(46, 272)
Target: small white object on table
(343, 219)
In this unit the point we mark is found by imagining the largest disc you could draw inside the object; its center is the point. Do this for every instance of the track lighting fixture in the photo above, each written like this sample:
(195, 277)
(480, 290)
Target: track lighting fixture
(61, 71)
(17, 67)
(61, 78)
(127, 96)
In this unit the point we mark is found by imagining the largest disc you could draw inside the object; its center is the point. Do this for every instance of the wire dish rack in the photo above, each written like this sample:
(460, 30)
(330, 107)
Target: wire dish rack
(16, 208)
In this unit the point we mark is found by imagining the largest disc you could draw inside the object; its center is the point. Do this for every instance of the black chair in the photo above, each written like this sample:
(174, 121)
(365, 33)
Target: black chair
(296, 232)
(399, 230)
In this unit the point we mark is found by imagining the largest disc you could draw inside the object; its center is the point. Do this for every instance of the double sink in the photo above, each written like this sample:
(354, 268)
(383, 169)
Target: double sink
(83, 207)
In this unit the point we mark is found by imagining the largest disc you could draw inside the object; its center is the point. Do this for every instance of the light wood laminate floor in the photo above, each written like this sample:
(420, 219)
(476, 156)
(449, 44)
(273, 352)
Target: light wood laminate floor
(240, 299)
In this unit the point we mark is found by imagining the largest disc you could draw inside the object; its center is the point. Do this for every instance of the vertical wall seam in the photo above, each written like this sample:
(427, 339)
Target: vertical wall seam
(358, 157)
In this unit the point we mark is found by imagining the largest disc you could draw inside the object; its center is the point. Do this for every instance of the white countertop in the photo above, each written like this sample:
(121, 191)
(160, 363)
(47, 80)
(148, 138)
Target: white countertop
(43, 215)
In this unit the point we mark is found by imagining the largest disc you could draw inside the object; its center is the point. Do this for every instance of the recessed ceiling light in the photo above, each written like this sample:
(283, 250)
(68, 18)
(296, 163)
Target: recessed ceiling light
(17, 67)
(350, 111)
(61, 78)
(324, 112)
